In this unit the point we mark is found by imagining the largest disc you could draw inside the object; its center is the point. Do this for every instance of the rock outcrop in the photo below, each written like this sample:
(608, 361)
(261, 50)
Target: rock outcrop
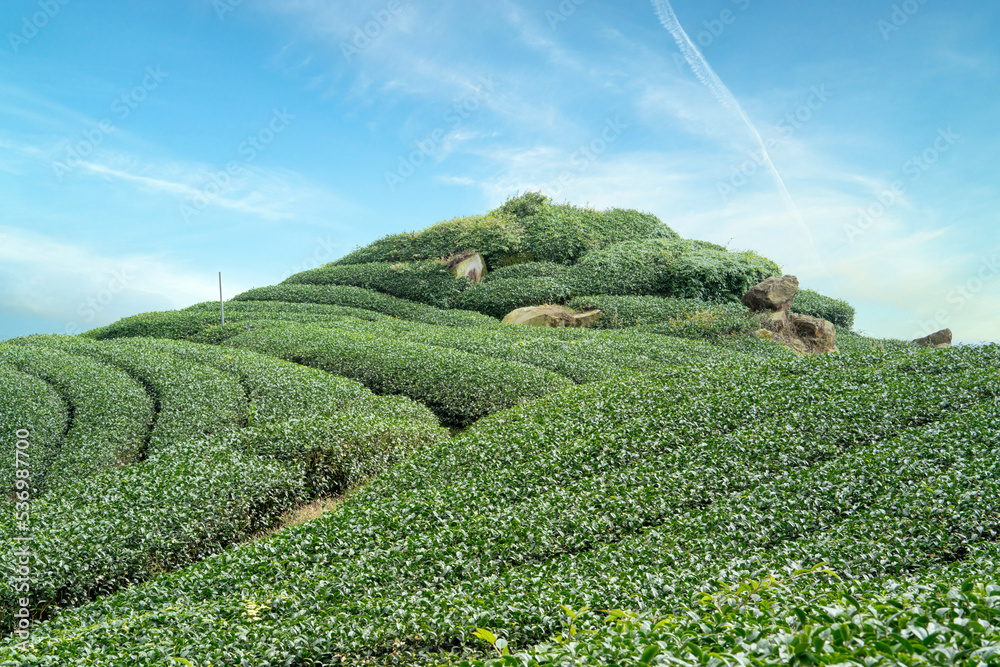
(772, 295)
(937, 339)
(803, 334)
(552, 316)
(468, 265)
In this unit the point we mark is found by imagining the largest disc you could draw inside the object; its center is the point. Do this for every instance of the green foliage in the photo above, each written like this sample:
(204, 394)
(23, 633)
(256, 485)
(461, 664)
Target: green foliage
(192, 399)
(363, 299)
(427, 282)
(499, 297)
(112, 529)
(526, 227)
(112, 413)
(665, 267)
(332, 453)
(27, 403)
(459, 387)
(630, 311)
(808, 302)
(714, 502)
(492, 236)
(528, 270)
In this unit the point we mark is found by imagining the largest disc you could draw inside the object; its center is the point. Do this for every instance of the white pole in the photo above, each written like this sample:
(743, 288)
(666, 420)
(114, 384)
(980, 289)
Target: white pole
(222, 306)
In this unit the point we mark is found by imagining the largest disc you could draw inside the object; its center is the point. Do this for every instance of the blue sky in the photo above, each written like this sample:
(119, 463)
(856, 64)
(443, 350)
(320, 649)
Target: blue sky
(146, 146)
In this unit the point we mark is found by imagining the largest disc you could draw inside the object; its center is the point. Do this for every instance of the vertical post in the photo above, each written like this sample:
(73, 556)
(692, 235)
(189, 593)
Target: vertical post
(222, 305)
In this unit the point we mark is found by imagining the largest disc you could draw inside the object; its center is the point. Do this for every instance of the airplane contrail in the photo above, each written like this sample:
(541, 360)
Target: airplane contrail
(711, 80)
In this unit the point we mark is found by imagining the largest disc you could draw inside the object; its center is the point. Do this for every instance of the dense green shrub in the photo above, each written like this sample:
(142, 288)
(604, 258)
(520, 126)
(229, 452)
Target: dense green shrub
(526, 227)
(427, 282)
(364, 299)
(528, 270)
(665, 267)
(459, 387)
(112, 413)
(716, 321)
(28, 403)
(630, 311)
(492, 236)
(716, 500)
(499, 297)
(563, 233)
(174, 324)
(192, 399)
(808, 302)
(332, 453)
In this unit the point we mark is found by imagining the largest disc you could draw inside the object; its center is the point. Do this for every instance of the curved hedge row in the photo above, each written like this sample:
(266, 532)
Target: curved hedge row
(280, 390)
(28, 403)
(663, 267)
(427, 282)
(630, 311)
(112, 413)
(188, 500)
(331, 453)
(459, 387)
(808, 302)
(528, 270)
(364, 299)
(192, 399)
(499, 297)
(703, 500)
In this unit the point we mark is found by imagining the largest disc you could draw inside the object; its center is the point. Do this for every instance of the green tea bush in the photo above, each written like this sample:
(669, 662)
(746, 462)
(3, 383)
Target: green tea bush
(166, 324)
(528, 270)
(459, 387)
(112, 413)
(192, 399)
(665, 267)
(332, 453)
(364, 299)
(764, 508)
(630, 311)
(120, 527)
(808, 302)
(28, 403)
(427, 282)
(715, 322)
(499, 297)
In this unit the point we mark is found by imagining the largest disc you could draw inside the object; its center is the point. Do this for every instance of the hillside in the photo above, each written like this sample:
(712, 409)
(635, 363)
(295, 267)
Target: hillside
(665, 488)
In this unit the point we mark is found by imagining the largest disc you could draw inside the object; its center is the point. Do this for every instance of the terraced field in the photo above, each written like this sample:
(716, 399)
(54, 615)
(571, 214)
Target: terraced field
(666, 490)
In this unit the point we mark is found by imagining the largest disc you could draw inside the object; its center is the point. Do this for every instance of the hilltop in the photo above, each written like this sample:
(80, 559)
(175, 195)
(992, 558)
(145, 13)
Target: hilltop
(663, 488)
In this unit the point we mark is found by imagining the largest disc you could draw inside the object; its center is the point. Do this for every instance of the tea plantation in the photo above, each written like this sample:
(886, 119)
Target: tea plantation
(663, 489)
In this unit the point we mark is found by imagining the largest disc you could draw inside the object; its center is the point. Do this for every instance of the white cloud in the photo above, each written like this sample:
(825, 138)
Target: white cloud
(80, 286)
